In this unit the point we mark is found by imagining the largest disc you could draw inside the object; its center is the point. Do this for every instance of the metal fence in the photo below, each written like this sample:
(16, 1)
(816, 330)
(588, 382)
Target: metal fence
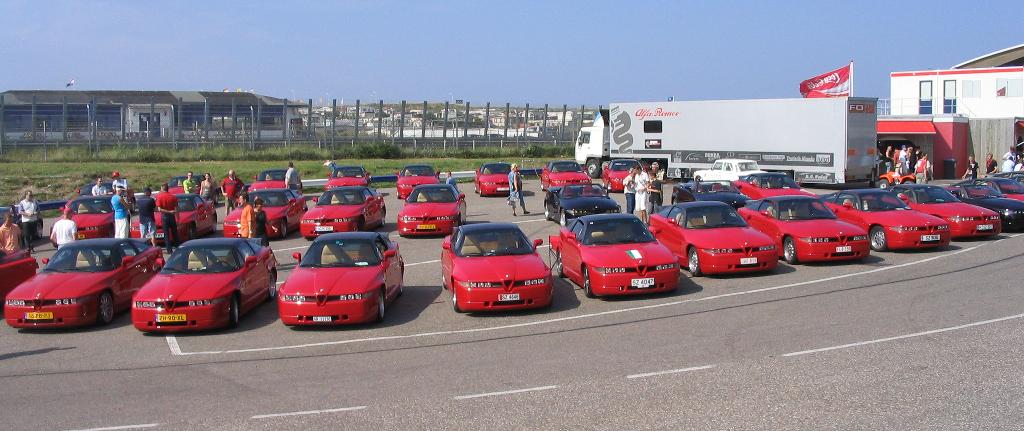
(193, 124)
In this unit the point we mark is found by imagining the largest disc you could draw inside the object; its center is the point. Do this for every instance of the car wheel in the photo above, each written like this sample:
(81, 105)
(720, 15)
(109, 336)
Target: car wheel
(556, 265)
(789, 251)
(192, 233)
(587, 291)
(693, 263)
(105, 309)
(883, 183)
(562, 220)
(594, 168)
(381, 304)
(361, 224)
(547, 211)
(284, 229)
(272, 287)
(455, 300)
(878, 240)
(233, 312)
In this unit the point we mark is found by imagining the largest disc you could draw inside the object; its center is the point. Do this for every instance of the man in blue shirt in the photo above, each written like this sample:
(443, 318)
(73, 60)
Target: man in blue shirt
(515, 187)
(120, 213)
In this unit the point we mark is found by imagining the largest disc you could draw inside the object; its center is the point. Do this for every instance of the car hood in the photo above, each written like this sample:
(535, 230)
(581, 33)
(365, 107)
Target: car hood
(619, 255)
(997, 203)
(90, 220)
(500, 268)
(564, 176)
(595, 203)
(333, 211)
(418, 180)
(333, 281)
(820, 228)
(187, 287)
(952, 209)
(726, 237)
(273, 213)
(730, 198)
(493, 178)
(61, 285)
(618, 174)
(767, 193)
(347, 181)
(257, 185)
(429, 209)
(901, 218)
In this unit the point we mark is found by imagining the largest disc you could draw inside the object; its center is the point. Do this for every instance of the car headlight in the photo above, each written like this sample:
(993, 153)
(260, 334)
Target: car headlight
(955, 219)
(65, 301)
(308, 221)
(665, 267)
(342, 220)
(293, 298)
(816, 240)
(448, 217)
(15, 302)
(995, 217)
(535, 282)
(718, 250)
(205, 302)
(859, 238)
(610, 270)
(766, 247)
(355, 296)
(231, 223)
(145, 304)
(942, 227)
(476, 284)
(409, 218)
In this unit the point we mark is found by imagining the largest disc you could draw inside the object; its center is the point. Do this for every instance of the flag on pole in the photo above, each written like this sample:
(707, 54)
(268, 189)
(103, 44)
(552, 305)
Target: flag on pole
(834, 83)
(69, 83)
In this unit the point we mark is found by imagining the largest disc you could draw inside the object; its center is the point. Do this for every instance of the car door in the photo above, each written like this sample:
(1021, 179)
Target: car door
(129, 279)
(571, 254)
(764, 223)
(204, 215)
(447, 258)
(255, 277)
(392, 267)
(853, 214)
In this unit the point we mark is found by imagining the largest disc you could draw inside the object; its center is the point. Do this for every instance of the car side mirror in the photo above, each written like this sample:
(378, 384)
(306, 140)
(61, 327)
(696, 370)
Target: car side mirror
(537, 242)
(655, 231)
(297, 256)
(446, 245)
(847, 205)
(673, 221)
(127, 260)
(159, 262)
(904, 197)
(249, 260)
(388, 254)
(316, 199)
(291, 201)
(462, 196)
(570, 236)
(766, 213)
(46, 260)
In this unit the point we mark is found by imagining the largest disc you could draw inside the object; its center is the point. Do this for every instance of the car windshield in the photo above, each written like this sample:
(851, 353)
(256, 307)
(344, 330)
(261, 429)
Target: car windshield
(418, 171)
(270, 199)
(747, 166)
(99, 205)
(186, 203)
(348, 172)
(83, 258)
(776, 182)
(881, 201)
(275, 175)
(715, 187)
(1010, 187)
(496, 168)
(931, 195)
(593, 190)
(709, 217)
(176, 181)
(616, 231)
(566, 167)
(803, 209)
(622, 165)
(432, 195)
(341, 197)
(981, 192)
(205, 259)
(348, 252)
(498, 242)
(87, 189)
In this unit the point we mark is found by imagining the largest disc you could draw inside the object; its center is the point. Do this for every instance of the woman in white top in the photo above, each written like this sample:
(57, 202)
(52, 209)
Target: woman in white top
(643, 193)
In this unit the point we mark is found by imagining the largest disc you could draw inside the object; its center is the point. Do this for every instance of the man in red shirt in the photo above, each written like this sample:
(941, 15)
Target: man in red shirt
(167, 206)
(230, 188)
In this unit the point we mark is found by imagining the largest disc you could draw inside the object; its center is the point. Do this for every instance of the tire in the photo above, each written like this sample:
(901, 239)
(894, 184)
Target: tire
(192, 232)
(883, 183)
(587, 291)
(455, 301)
(361, 226)
(381, 306)
(272, 288)
(556, 265)
(233, 312)
(878, 240)
(104, 308)
(693, 263)
(547, 212)
(284, 229)
(594, 168)
(562, 220)
(789, 251)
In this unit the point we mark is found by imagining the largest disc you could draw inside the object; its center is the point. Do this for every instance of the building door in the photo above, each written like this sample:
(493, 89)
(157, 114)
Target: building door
(149, 126)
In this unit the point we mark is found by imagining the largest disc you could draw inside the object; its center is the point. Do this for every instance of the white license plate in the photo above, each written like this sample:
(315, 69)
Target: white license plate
(322, 319)
(324, 229)
(503, 297)
(927, 238)
(984, 227)
(844, 249)
(502, 189)
(748, 260)
(158, 235)
(641, 283)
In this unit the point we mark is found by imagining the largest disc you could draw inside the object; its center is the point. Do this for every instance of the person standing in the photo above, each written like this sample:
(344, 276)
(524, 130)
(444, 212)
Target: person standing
(116, 180)
(291, 178)
(99, 189)
(912, 158)
(189, 185)
(889, 163)
(921, 169)
(1009, 160)
(643, 194)
(450, 180)
(117, 202)
(64, 231)
(245, 218)
(972, 169)
(206, 188)
(515, 187)
(259, 222)
(10, 235)
(29, 215)
(331, 167)
(990, 165)
(656, 189)
(147, 216)
(230, 187)
(629, 189)
(167, 206)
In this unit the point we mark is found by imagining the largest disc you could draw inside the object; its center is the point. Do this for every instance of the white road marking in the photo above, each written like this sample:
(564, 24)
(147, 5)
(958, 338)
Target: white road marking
(122, 427)
(900, 337)
(530, 221)
(575, 317)
(172, 343)
(677, 371)
(292, 248)
(422, 263)
(514, 391)
(308, 412)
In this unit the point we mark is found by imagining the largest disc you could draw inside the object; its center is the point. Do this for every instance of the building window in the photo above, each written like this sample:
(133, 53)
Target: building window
(1009, 88)
(653, 126)
(971, 89)
(924, 104)
(949, 97)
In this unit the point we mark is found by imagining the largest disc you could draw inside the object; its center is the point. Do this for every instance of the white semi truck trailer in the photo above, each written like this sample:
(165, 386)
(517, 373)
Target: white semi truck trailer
(824, 141)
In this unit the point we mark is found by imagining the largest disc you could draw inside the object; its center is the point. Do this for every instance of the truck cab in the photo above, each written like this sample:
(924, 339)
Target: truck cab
(727, 170)
(592, 144)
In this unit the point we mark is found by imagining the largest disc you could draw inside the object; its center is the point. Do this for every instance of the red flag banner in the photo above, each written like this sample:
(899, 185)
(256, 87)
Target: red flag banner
(829, 84)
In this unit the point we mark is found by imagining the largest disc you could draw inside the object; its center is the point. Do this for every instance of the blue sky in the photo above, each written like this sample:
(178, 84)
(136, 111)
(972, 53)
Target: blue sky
(551, 51)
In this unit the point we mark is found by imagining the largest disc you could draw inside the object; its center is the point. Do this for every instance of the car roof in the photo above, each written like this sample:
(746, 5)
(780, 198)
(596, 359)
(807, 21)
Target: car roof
(696, 204)
(215, 241)
(417, 165)
(348, 235)
(768, 174)
(103, 242)
(782, 198)
(485, 227)
(859, 192)
(274, 170)
(435, 186)
(279, 189)
(599, 217)
(346, 188)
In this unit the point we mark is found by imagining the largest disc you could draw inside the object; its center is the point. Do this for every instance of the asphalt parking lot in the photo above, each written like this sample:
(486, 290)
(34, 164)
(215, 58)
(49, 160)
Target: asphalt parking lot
(890, 342)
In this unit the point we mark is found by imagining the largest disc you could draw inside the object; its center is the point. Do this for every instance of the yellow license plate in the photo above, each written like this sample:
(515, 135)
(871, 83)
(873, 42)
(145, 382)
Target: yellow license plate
(39, 316)
(167, 318)
(427, 227)
(80, 236)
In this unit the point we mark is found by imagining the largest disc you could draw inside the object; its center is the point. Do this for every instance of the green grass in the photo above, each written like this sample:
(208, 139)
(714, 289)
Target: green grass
(68, 169)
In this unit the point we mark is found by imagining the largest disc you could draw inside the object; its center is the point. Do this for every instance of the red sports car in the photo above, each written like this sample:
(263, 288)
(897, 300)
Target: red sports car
(93, 215)
(85, 282)
(432, 210)
(560, 173)
(343, 278)
(712, 238)
(196, 218)
(767, 184)
(284, 210)
(414, 175)
(269, 179)
(493, 266)
(344, 176)
(206, 284)
(890, 223)
(805, 230)
(613, 254)
(965, 220)
(492, 179)
(15, 268)
(613, 172)
(343, 209)
(174, 184)
(1010, 188)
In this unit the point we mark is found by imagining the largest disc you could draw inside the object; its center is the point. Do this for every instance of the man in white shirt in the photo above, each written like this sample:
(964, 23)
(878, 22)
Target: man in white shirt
(116, 180)
(29, 214)
(291, 178)
(64, 231)
(99, 189)
(643, 193)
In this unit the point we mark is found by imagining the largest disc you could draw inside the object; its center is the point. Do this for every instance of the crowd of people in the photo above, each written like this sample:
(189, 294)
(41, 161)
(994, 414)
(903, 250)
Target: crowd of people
(907, 160)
